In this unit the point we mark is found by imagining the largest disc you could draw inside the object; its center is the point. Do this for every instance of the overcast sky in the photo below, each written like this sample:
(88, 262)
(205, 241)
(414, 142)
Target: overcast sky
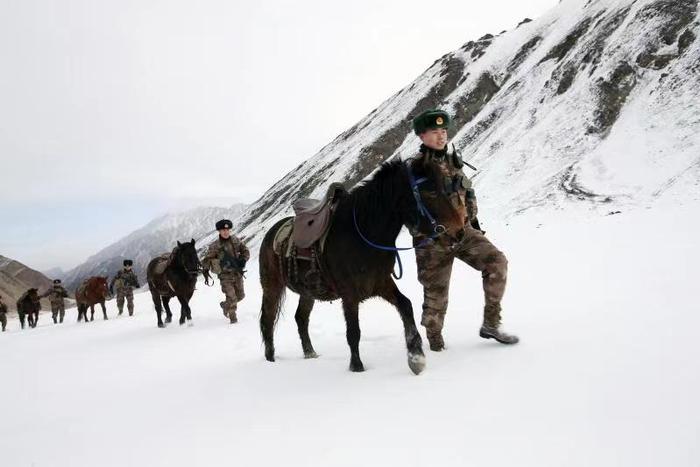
(112, 112)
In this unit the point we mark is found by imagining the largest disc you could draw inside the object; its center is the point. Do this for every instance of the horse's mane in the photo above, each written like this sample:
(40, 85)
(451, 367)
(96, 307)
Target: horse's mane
(382, 188)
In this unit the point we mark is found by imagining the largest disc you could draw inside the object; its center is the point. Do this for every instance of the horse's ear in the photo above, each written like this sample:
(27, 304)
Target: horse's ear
(178, 243)
(192, 241)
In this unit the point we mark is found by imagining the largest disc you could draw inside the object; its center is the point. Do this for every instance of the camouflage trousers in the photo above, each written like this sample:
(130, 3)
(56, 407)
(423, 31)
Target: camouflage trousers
(125, 293)
(58, 310)
(3, 321)
(232, 287)
(435, 268)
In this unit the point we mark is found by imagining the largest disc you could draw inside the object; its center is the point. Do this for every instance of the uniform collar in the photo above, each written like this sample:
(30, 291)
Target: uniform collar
(432, 152)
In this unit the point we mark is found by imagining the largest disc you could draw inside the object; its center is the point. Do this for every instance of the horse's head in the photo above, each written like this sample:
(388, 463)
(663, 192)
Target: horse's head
(98, 285)
(33, 295)
(436, 203)
(186, 257)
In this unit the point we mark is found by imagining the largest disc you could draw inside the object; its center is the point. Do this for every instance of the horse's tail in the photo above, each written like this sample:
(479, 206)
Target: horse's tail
(273, 286)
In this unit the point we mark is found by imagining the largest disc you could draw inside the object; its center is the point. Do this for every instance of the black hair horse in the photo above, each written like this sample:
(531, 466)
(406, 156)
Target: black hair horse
(29, 306)
(174, 275)
(351, 269)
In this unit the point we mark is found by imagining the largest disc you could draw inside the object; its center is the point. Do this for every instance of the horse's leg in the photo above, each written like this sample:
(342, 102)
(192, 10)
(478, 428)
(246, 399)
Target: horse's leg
(104, 309)
(155, 296)
(21, 319)
(414, 344)
(183, 309)
(168, 313)
(36, 318)
(306, 304)
(271, 305)
(188, 297)
(92, 312)
(352, 333)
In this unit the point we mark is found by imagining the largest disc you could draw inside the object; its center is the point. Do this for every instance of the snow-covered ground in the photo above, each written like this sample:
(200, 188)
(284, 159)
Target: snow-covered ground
(605, 375)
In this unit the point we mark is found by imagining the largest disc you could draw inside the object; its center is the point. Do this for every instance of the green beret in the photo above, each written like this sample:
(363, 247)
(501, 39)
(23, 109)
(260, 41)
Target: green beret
(431, 119)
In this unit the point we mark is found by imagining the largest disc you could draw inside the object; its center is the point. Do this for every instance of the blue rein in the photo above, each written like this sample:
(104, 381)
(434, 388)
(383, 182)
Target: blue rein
(438, 229)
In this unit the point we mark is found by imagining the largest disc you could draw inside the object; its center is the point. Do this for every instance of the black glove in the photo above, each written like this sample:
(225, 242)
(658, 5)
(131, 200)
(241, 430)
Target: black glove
(207, 277)
(241, 263)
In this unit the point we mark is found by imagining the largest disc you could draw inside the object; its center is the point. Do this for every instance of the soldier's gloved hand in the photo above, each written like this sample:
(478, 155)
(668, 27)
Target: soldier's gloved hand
(207, 277)
(241, 263)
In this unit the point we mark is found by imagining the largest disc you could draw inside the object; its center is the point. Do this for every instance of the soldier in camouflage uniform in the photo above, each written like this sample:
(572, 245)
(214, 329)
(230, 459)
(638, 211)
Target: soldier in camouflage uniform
(125, 281)
(434, 259)
(227, 257)
(56, 295)
(3, 314)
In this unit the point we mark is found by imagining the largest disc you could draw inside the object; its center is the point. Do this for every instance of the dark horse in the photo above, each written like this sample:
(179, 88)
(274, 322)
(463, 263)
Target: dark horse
(174, 275)
(91, 292)
(351, 269)
(29, 305)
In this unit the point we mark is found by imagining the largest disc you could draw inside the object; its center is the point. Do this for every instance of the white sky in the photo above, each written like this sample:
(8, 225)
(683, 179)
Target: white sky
(139, 103)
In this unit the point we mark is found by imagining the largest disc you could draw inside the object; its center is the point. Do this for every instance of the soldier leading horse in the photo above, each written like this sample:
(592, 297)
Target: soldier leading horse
(359, 254)
(174, 275)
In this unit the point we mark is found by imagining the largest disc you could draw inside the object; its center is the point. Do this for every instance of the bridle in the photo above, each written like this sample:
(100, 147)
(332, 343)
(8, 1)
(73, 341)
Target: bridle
(180, 260)
(422, 210)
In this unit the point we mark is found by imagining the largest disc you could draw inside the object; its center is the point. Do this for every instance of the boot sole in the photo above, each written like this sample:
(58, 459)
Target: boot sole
(489, 336)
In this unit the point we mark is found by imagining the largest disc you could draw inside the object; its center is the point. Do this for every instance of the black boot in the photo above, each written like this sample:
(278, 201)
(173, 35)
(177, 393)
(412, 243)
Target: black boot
(488, 332)
(437, 344)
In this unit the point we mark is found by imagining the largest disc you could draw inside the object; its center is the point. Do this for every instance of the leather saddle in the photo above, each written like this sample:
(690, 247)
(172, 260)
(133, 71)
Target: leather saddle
(163, 261)
(313, 216)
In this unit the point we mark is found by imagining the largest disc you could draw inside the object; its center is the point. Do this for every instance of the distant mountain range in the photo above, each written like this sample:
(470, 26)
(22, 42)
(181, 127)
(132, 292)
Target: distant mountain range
(16, 278)
(158, 236)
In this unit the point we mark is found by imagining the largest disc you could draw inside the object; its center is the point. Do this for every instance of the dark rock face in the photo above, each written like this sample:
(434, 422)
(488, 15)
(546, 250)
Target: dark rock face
(523, 53)
(560, 50)
(685, 40)
(566, 79)
(674, 16)
(469, 105)
(524, 21)
(604, 28)
(613, 93)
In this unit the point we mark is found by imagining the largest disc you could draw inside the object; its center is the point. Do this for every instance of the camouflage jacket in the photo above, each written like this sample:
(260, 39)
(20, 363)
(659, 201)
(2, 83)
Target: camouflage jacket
(454, 179)
(125, 280)
(56, 294)
(226, 256)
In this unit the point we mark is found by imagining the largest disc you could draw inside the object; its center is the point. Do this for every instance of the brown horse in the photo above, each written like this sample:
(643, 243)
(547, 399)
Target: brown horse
(29, 306)
(91, 292)
(359, 254)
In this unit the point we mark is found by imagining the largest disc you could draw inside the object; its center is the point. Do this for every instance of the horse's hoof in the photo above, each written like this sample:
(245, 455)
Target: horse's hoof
(416, 362)
(190, 324)
(311, 354)
(357, 367)
(270, 355)
(161, 325)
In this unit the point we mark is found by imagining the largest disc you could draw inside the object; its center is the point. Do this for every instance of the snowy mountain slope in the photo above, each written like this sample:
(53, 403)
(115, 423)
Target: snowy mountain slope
(16, 278)
(590, 108)
(605, 374)
(156, 237)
